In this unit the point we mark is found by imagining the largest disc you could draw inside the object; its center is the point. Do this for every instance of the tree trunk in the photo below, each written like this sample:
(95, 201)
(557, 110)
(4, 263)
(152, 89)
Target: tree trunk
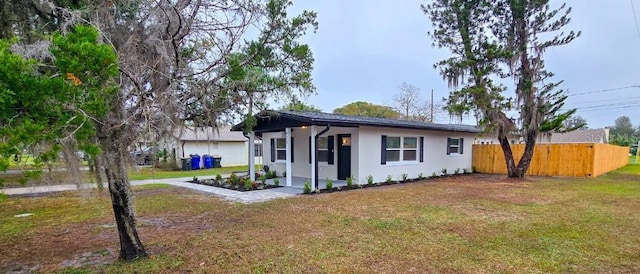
(508, 155)
(115, 152)
(525, 161)
(98, 169)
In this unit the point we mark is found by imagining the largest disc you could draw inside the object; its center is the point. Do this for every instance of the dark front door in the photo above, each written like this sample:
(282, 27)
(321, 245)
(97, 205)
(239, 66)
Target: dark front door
(344, 156)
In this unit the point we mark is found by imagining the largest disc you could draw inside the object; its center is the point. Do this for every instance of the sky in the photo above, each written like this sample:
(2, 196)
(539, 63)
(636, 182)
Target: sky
(364, 50)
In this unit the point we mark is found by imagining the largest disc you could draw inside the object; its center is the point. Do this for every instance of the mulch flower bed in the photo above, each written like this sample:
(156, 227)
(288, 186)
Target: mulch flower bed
(234, 182)
(386, 183)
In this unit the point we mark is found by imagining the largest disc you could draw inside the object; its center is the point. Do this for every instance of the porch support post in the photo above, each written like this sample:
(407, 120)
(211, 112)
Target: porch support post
(252, 156)
(287, 133)
(313, 158)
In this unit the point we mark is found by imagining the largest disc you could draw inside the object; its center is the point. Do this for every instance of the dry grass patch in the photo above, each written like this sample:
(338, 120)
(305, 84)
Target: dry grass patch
(476, 223)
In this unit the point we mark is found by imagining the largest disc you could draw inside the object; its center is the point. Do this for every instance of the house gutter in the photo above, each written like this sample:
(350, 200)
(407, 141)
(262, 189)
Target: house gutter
(183, 142)
(315, 152)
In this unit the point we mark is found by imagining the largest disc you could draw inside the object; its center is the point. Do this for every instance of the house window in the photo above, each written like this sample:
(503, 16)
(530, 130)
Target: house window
(257, 148)
(401, 149)
(323, 149)
(281, 149)
(455, 145)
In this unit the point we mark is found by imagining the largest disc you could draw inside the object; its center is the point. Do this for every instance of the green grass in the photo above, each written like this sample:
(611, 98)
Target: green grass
(151, 173)
(469, 224)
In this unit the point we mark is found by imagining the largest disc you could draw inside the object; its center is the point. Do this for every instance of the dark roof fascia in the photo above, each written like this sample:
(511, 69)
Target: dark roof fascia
(295, 119)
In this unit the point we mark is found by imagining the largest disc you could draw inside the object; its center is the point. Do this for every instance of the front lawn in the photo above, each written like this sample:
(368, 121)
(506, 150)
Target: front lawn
(475, 223)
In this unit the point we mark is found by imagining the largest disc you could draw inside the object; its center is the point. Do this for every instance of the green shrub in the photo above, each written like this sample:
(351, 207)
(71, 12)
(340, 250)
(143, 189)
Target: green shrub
(218, 178)
(389, 179)
(233, 179)
(433, 175)
(248, 184)
(370, 180)
(263, 179)
(420, 176)
(276, 182)
(349, 181)
(457, 171)
(444, 171)
(404, 177)
(307, 187)
(329, 183)
(275, 174)
(195, 179)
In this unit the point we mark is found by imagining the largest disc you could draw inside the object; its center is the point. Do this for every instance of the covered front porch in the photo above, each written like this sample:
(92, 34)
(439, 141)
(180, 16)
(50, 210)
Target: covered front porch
(305, 149)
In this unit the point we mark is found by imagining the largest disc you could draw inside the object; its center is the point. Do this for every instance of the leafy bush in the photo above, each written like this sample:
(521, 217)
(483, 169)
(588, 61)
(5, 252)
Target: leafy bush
(307, 187)
(370, 180)
(275, 174)
(457, 171)
(233, 179)
(420, 176)
(389, 179)
(263, 179)
(349, 181)
(195, 179)
(329, 183)
(276, 182)
(248, 184)
(444, 171)
(404, 177)
(433, 175)
(218, 178)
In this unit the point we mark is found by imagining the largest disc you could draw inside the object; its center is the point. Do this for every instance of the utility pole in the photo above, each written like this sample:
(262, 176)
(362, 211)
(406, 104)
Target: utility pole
(431, 104)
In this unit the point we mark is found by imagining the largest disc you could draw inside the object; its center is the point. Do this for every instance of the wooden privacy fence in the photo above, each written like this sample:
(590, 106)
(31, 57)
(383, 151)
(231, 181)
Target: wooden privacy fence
(575, 160)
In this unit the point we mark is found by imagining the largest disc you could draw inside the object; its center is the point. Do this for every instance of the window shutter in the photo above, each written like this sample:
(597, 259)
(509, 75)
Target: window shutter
(421, 149)
(461, 143)
(330, 145)
(292, 146)
(448, 146)
(383, 150)
(273, 150)
(309, 149)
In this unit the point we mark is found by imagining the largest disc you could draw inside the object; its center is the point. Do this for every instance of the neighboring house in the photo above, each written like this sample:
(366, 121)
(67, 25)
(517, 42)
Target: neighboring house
(359, 146)
(598, 136)
(231, 146)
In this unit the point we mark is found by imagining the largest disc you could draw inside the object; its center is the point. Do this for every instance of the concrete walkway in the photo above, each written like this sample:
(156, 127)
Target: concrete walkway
(255, 196)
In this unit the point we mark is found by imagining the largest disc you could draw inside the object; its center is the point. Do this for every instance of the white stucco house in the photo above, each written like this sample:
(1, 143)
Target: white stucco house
(231, 146)
(315, 145)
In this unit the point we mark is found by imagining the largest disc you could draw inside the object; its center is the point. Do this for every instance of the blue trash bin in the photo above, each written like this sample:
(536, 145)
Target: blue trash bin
(195, 161)
(208, 161)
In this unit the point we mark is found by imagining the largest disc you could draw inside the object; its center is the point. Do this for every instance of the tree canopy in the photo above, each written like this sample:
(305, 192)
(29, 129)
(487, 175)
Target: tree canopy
(492, 40)
(361, 108)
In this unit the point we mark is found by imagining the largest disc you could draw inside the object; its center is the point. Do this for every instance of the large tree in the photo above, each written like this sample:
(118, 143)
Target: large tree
(483, 37)
(410, 103)
(360, 108)
(622, 132)
(176, 63)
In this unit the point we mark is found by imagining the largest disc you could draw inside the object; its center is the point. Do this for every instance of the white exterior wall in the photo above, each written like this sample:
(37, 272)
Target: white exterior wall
(232, 153)
(301, 166)
(435, 154)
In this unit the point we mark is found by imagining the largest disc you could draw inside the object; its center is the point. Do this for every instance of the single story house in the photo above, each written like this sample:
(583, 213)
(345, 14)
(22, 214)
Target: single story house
(313, 145)
(597, 136)
(231, 146)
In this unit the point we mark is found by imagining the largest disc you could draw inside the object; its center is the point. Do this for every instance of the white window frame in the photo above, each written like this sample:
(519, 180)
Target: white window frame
(450, 147)
(323, 149)
(402, 149)
(257, 150)
(284, 148)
